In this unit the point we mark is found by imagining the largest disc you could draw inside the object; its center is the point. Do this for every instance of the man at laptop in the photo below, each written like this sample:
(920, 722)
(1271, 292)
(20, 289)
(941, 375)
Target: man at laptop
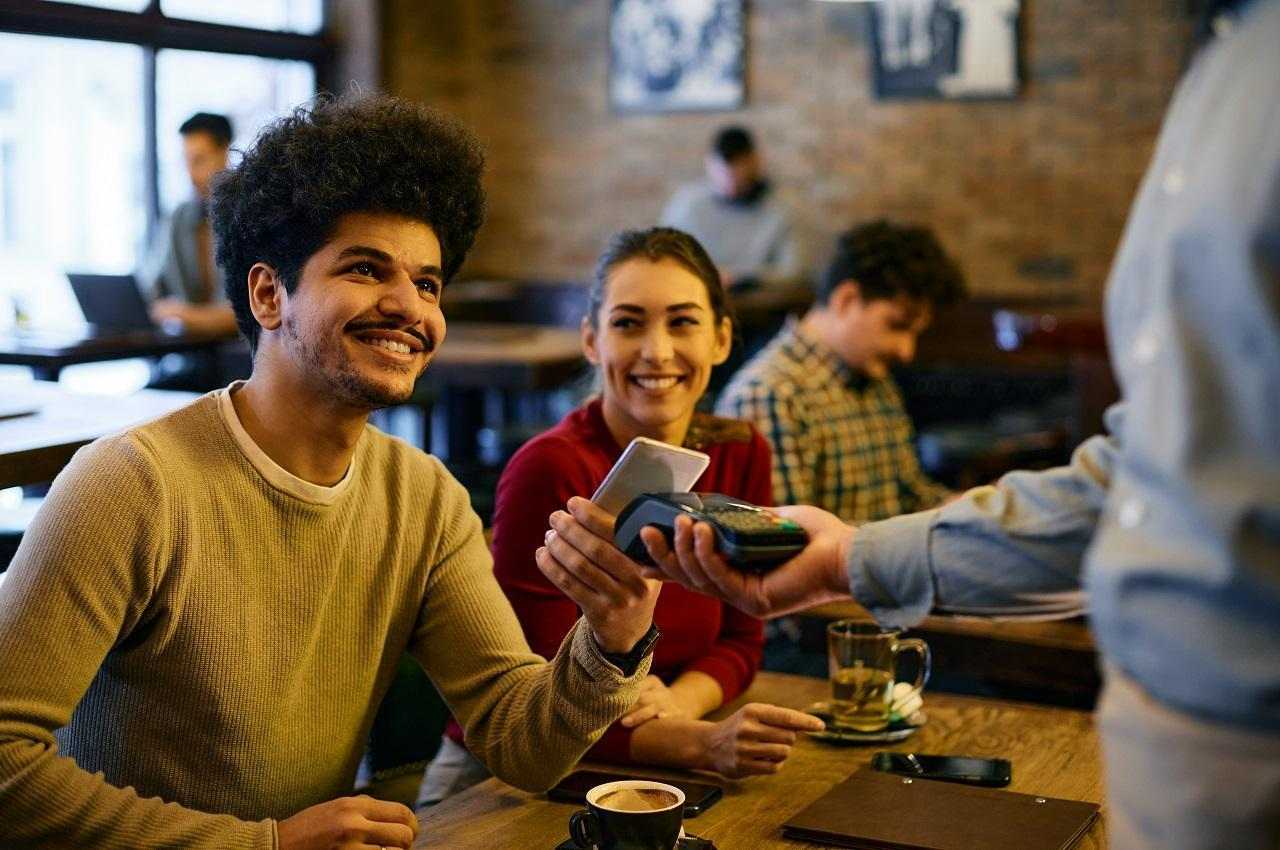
(181, 277)
(205, 614)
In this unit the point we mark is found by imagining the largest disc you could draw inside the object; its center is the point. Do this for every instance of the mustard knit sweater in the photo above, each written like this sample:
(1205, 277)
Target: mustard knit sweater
(193, 642)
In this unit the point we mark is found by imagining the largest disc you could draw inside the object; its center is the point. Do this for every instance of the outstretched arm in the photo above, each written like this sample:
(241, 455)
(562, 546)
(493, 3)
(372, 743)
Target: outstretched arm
(1015, 545)
(529, 720)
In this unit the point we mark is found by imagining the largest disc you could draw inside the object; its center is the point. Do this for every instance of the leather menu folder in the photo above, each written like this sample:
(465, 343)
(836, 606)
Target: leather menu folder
(880, 811)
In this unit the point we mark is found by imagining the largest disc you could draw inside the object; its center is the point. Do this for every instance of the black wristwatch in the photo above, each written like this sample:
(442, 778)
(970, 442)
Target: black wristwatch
(629, 662)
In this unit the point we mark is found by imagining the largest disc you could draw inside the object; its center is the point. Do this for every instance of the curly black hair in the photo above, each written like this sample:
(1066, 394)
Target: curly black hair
(337, 155)
(888, 260)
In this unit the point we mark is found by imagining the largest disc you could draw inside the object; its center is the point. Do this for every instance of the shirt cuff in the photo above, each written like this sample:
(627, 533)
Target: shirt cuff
(889, 570)
(599, 669)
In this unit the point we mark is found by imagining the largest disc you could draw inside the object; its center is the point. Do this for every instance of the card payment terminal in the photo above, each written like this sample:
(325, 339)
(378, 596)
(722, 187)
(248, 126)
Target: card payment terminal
(749, 537)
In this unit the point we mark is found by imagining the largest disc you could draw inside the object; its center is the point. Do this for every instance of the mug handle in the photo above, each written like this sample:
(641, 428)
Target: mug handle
(926, 661)
(584, 830)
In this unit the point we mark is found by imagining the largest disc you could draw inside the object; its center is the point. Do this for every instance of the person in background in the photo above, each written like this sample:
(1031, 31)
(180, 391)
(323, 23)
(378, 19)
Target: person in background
(181, 277)
(657, 323)
(1171, 523)
(821, 391)
(750, 232)
(205, 614)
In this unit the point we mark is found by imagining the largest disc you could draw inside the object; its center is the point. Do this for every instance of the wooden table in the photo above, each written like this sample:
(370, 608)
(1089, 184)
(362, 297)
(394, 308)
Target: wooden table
(478, 370)
(766, 306)
(1054, 661)
(1054, 752)
(492, 355)
(35, 447)
(537, 302)
(47, 353)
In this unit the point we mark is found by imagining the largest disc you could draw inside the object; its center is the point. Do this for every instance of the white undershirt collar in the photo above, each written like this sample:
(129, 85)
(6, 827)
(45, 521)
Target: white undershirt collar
(277, 476)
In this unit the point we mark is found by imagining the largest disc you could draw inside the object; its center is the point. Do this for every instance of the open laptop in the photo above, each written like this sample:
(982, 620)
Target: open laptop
(111, 302)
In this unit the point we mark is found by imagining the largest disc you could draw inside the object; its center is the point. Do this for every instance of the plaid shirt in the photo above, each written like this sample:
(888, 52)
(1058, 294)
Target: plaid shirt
(840, 440)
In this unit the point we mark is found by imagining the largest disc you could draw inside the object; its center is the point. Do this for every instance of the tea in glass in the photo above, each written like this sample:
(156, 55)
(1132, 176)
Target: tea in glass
(863, 660)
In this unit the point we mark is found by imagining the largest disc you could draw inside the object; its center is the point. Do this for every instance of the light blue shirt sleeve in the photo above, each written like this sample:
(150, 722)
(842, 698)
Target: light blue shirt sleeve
(1013, 547)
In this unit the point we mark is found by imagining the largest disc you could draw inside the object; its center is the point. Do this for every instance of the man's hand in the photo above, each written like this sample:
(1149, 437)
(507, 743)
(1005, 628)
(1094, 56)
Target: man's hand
(349, 823)
(756, 739)
(656, 702)
(581, 560)
(814, 576)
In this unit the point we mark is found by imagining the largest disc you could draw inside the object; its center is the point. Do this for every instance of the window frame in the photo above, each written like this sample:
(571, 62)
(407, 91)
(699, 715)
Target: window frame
(152, 30)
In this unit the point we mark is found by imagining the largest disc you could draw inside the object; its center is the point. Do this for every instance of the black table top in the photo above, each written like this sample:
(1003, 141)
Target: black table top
(58, 347)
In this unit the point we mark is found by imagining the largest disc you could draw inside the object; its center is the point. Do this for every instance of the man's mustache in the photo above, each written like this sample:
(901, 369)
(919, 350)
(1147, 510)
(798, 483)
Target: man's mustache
(428, 344)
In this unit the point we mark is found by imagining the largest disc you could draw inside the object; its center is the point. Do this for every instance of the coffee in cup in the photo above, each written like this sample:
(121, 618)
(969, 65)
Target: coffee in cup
(638, 800)
(630, 814)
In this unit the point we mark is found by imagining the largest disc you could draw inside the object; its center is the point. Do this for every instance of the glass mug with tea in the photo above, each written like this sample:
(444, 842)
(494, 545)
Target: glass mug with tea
(630, 814)
(864, 660)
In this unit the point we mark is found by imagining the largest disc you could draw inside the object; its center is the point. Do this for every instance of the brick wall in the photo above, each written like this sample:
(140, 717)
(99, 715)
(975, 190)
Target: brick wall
(1031, 195)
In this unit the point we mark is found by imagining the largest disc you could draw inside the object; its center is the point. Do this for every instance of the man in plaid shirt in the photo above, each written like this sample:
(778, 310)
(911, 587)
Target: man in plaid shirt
(821, 391)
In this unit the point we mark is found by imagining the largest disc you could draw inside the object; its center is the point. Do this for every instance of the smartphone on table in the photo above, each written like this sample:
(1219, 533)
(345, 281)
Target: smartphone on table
(698, 796)
(990, 773)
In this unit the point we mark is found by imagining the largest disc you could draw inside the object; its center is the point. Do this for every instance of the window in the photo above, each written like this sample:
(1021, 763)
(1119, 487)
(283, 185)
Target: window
(122, 5)
(251, 91)
(91, 96)
(72, 168)
(284, 15)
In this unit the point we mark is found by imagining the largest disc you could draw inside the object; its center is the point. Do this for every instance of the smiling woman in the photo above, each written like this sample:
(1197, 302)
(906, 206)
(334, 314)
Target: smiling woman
(657, 322)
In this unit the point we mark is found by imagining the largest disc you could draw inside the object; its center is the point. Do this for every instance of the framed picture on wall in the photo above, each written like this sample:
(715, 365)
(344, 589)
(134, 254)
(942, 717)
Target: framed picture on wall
(676, 55)
(964, 49)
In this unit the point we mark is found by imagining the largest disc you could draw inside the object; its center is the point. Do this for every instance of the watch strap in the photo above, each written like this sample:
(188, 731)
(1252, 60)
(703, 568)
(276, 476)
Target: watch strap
(629, 662)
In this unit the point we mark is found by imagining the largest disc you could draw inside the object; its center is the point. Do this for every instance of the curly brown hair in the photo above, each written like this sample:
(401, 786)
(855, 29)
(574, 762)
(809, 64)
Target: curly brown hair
(339, 155)
(888, 260)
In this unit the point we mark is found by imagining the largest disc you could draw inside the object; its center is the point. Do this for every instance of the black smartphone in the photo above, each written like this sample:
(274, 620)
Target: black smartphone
(992, 773)
(698, 796)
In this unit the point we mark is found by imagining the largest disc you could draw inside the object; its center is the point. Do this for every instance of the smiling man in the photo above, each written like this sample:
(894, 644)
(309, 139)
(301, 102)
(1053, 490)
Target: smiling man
(206, 612)
(821, 391)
